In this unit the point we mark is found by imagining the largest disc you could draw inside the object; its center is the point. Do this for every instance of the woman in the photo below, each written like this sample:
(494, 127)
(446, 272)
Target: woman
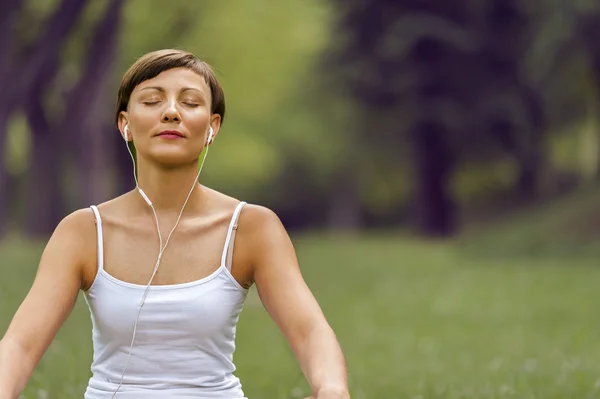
(165, 306)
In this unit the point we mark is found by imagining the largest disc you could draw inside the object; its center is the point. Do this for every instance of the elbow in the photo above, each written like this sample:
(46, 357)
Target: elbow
(14, 349)
(322, 329)
(315, 330)
(316, 340)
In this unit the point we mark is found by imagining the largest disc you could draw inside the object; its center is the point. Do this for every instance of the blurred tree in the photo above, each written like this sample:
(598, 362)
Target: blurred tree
(26, 67)
(75, 135)
(8, 11)
(88, 104)
(419, 103)
(444, 78)
(508, 34)
(46, 200)
(588, 33)
(76, 94)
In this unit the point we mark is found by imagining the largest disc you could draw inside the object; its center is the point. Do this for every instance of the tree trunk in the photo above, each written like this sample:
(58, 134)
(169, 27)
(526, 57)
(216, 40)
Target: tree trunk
(60, 25)
(527, 186)
(531, 154)
(18, 78)
(435, 208)
(85, 128)
(44, 198)
(5, 195)
(344, 211)
(9, 9)
(588, 30)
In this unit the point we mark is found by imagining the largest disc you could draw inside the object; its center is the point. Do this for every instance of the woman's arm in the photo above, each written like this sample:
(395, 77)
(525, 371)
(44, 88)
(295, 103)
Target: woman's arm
(291, 304)
(47, 305)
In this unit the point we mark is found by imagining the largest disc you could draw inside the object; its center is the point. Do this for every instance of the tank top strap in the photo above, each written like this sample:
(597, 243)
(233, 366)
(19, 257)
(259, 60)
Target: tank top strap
(100, 247)
(226, 258)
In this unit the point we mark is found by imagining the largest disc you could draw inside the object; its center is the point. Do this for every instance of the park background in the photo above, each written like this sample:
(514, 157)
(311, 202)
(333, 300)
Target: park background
(437, 164)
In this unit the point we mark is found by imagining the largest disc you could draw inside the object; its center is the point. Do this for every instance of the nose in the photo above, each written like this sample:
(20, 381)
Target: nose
(171, 114)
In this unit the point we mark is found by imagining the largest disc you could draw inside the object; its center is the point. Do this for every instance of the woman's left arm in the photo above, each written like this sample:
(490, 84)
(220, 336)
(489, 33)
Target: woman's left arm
(290, 303)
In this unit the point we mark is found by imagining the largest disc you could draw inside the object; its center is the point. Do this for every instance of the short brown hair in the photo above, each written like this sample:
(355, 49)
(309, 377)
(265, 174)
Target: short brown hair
(152, 64)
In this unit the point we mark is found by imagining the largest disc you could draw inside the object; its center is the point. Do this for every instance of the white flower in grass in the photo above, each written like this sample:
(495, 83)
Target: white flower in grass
(531, 365)
(496, 364)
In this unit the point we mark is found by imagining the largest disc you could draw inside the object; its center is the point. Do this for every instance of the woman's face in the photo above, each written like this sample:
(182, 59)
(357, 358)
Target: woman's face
(169, 117)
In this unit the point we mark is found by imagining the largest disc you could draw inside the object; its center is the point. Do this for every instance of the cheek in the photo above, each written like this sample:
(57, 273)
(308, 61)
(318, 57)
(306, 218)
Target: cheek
(197, 120)
(143, 116)
(198, 126)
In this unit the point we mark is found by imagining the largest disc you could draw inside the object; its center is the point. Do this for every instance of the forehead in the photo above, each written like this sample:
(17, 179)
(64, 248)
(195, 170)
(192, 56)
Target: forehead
(176, 79)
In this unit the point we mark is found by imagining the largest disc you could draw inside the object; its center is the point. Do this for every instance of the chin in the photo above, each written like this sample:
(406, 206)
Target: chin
(173, 158)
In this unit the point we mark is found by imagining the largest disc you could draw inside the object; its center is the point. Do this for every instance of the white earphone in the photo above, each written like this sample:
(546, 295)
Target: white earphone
(162, 247)
(210, 136)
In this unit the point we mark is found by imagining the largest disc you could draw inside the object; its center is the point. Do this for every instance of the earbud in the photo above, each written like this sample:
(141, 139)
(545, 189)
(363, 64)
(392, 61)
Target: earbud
(126, 131)
(210, 136)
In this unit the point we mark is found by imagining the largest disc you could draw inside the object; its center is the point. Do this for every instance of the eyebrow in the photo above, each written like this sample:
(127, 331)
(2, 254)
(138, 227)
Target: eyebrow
(161, 89)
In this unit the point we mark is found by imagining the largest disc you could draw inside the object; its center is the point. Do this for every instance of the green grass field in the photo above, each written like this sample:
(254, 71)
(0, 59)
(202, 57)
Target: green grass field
(416, 320)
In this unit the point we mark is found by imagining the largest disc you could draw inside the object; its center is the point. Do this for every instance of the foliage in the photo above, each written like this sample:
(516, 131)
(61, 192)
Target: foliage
(383, 108)
(463, 86)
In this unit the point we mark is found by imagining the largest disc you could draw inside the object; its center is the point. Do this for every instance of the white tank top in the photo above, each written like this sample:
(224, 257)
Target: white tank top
(185, 336)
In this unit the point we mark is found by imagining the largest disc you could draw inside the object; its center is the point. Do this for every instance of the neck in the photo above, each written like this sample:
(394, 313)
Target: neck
(169, 188)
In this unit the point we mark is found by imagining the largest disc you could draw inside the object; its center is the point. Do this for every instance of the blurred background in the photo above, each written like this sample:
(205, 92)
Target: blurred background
(436, 162)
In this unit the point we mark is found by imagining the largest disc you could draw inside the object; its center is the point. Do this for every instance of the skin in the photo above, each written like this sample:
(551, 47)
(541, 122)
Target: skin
(177, 99)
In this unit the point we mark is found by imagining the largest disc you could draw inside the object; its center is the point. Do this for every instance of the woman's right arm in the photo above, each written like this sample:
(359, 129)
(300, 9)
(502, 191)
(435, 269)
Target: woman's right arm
(48, 303)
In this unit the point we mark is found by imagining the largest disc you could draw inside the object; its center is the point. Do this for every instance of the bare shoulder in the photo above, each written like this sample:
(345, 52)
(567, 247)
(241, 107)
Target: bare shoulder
(72, 245)
(264, 238)
(78, 227)
(258, 219)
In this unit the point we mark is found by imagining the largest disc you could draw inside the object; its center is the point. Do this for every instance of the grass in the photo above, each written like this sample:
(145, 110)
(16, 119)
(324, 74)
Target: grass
(566, 228)
(416, 320)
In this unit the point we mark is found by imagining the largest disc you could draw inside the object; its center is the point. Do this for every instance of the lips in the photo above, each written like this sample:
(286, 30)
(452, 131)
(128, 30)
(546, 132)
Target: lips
(171, 134)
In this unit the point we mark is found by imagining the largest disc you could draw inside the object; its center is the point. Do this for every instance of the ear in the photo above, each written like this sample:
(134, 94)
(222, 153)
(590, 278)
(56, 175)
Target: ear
(215, 123)
(124, 121)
